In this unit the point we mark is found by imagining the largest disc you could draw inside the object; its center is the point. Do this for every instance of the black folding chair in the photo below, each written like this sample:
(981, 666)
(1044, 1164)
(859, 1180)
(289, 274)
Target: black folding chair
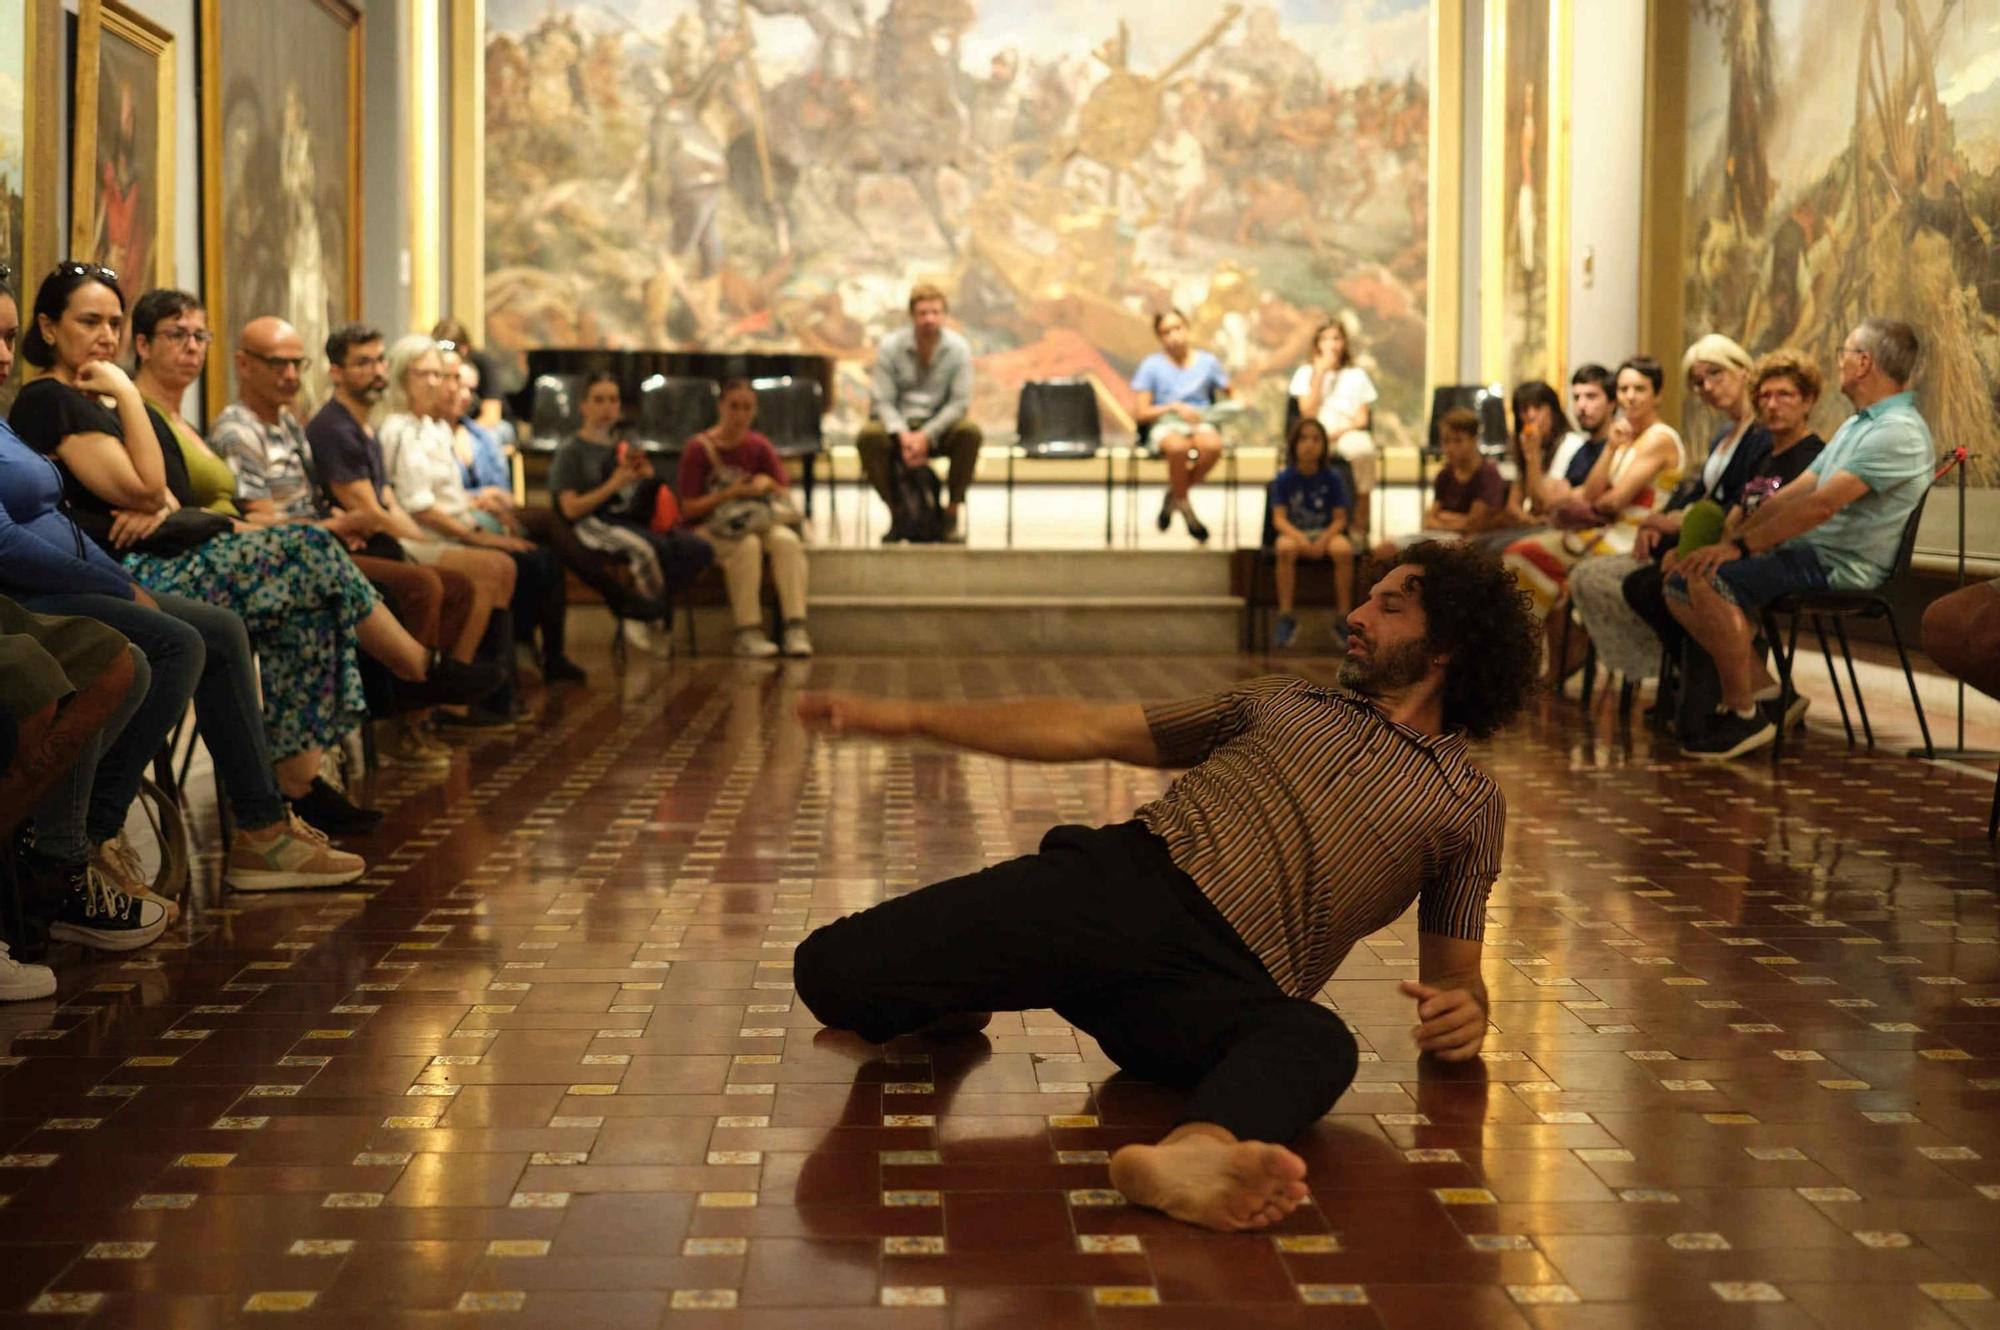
(673, 409)
(1838, 607)
(789, 414)
(556, 411)
(1056, 418)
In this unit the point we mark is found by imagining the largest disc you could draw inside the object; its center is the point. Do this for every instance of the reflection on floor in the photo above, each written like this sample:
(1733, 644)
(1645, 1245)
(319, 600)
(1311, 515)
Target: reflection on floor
(1746, 1051)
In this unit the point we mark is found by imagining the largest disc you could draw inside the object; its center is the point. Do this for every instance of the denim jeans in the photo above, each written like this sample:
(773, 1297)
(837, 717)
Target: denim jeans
(197, 649)
(63, 831)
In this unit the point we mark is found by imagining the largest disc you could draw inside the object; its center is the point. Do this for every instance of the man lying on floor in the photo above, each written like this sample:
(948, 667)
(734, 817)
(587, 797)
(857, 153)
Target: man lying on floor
(1190, 941)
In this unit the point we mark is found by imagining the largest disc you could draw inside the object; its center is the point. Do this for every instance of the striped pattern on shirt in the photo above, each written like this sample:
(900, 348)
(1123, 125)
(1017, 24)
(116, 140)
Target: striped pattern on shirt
(1310, 820)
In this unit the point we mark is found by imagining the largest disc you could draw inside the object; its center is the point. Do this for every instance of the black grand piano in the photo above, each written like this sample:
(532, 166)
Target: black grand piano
(670, 396)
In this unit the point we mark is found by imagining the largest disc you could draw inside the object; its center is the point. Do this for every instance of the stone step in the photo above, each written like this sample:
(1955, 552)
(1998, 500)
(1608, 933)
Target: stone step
(952, 571)
(895, 625)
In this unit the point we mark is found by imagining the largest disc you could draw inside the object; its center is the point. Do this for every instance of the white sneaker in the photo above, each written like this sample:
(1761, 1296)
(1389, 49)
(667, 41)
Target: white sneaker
(636, 634)
(24, 983)
(798, 642)
(752, 644)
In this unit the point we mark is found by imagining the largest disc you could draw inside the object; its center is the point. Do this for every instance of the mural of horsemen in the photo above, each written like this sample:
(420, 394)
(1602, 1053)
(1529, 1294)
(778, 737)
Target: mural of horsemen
(776, 173)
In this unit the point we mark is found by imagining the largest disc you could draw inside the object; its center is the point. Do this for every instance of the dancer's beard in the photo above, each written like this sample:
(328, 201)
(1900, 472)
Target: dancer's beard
(1383, 671)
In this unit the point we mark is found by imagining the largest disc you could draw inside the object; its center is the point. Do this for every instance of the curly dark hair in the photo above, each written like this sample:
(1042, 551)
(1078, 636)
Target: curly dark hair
(1476, 614)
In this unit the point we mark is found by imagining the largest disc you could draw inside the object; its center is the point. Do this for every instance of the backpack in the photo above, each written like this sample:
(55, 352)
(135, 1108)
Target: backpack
(916, 503)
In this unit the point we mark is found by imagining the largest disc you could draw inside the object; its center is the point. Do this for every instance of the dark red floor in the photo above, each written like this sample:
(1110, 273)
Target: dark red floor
(1745, 1070)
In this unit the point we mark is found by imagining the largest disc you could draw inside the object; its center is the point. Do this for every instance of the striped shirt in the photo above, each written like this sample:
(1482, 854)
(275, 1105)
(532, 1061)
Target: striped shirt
(1310, 820)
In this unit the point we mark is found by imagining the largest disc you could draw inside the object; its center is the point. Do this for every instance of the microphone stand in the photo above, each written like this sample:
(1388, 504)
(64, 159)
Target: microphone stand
(1959, 752)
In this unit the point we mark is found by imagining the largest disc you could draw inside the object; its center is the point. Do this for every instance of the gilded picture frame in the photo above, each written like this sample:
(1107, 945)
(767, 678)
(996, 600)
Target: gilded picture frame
(122, 146)
(275, 111)
(30, 152)
(1524, 191)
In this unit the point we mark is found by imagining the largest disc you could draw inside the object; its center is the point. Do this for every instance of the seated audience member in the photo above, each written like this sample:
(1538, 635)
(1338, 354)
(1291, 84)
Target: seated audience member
(488, 410)
(1539, 427)
(1721, 374)
(1560, 475)
(351, 465)
(1839, 526)
(607, 492)
(922, 390)
(69, 686)
(1631, 479)
(735, 492)
(1469, 494)
(347, 461)
(1176, 386)
(191, 646)
(267, 451)
(303, 599)
(416, 436)
(1309, 512)
(483, 467)
(1332, 389)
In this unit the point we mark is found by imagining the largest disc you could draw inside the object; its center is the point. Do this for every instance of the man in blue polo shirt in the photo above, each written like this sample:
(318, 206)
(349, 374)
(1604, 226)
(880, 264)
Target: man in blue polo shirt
(1837, 526)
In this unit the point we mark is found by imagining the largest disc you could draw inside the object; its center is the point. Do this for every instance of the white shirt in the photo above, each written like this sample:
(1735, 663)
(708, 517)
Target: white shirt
(1566, 452)
(417, 453)
(1352, 390)
(1718, 460)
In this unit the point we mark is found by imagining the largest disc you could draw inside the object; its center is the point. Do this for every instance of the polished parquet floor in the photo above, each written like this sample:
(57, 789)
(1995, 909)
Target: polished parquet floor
(547, 1069)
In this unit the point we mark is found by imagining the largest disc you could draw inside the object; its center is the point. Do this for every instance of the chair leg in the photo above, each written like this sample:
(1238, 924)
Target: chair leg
(1110, 494)
(1782, 656)
(1993, 818)
(1589, 667)
(1833, 677)
(1010, 496)
(1860, 702)
(1924, 725)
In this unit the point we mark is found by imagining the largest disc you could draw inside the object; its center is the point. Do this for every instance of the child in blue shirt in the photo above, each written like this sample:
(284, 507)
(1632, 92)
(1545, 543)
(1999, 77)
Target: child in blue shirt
(1309, 508)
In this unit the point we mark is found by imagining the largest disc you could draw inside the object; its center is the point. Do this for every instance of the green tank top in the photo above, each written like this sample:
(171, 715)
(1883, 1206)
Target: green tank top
(213, 480)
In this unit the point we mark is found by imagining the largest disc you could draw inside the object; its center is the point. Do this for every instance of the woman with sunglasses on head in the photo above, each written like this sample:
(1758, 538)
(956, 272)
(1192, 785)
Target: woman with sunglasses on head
(298, 595)
(170, 339)
(191, 648)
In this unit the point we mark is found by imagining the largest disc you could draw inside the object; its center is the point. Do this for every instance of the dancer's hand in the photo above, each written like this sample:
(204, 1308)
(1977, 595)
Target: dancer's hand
(845, 713)
(1453, 1023)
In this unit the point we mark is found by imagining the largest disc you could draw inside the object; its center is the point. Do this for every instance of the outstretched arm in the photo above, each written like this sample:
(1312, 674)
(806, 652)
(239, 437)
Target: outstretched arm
(1033, 729)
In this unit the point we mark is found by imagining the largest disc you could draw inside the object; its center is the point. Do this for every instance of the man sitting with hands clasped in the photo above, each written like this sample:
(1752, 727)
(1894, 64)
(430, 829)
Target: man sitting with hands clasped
(1191, 941)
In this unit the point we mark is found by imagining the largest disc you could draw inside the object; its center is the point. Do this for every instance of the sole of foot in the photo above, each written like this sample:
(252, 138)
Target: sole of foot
(1231, 1187)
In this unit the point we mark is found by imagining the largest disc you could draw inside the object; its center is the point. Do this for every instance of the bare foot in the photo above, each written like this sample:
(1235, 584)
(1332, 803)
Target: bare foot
(1204, 1176)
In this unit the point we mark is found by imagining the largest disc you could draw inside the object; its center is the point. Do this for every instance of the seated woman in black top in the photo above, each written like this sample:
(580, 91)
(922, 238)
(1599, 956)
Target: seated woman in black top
(302, 600)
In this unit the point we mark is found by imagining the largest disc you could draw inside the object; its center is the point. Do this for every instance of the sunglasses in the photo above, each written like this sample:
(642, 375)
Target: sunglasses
(72, 268)
(6, 273)
(281, 363)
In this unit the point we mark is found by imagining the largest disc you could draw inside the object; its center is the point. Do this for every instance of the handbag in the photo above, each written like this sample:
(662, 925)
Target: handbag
(733, 519)
(185, 529)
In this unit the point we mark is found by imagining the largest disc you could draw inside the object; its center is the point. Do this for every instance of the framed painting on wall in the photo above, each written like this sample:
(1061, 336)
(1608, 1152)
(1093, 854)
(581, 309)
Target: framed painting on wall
(30, 57)
(122, 146)
(1524, 186)
(281, 188)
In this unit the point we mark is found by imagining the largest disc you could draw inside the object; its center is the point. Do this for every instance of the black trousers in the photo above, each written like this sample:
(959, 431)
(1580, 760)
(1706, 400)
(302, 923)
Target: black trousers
(541, 599)
(1102, 927)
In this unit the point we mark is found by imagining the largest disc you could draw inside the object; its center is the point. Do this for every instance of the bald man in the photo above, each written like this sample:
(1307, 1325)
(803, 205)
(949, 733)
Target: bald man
(262, 438)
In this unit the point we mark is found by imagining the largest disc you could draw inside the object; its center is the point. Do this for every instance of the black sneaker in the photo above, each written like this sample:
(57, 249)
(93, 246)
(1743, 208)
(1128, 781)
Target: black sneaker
(1167, 511)
(96, 914)
(450, 683)
(1194, 526)
(1729, 735)
(563, 670)
(333, 812)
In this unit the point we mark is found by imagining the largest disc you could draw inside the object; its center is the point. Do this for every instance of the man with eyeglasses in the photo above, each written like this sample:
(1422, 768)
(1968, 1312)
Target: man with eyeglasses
(263, 440)
(1837, 526)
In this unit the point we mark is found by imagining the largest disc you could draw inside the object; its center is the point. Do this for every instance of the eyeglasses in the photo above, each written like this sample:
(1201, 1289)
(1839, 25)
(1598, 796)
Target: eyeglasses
(72, 268)
(453, 347)
(1781, 395)
(200, 337)
(281, 363)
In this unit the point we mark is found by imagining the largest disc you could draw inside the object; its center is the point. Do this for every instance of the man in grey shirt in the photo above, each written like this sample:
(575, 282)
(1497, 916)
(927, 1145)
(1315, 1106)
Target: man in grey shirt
(923, 385)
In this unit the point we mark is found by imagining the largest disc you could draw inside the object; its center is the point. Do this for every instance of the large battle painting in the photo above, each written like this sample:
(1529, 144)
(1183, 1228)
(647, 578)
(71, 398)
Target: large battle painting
(776, 173)
(282, 205)
(1842, 169)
